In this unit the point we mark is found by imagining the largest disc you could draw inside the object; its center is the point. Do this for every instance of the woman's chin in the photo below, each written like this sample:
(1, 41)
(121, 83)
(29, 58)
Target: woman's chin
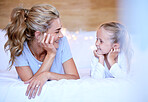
(56, 45)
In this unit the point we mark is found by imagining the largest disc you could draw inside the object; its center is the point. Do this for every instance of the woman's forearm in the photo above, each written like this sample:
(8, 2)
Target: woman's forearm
(56, 76)
(47, 63)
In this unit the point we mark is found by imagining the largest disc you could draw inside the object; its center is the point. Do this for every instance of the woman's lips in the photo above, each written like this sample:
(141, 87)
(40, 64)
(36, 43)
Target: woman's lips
(57, 41)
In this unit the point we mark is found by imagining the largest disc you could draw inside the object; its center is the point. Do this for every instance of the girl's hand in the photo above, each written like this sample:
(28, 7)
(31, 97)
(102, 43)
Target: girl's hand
(113, 55)
(100, 57)
(35, 85)
(47, 43)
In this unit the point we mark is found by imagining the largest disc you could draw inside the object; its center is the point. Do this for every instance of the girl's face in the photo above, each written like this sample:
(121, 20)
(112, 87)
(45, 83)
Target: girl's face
(55, 31)
(103, 42)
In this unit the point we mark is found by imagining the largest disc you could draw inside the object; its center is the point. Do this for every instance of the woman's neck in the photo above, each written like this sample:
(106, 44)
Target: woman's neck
(37, 51)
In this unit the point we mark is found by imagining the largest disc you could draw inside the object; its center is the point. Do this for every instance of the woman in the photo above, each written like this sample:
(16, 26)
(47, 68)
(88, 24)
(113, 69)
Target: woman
(39, 51)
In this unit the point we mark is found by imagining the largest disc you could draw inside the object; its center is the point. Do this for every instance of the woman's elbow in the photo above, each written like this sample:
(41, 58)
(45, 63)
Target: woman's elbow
(76, 76)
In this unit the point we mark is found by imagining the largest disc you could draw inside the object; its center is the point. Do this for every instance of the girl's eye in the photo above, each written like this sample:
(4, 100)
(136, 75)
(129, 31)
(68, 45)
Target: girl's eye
(101, 41)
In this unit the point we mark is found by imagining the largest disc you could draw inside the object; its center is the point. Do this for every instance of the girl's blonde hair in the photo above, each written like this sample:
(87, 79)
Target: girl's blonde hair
(119, 34)
(24, 23)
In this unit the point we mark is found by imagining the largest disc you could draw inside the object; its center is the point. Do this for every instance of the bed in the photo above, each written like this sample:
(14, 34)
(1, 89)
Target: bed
(85, 89)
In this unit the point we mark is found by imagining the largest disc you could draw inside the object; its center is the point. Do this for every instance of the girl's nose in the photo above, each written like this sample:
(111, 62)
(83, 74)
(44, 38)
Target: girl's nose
(97, 43)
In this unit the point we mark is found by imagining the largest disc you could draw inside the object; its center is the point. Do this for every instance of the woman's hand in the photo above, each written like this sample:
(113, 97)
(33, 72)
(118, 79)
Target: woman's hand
(47, 43)
(113, 55)
(35, 84)
(99, 56)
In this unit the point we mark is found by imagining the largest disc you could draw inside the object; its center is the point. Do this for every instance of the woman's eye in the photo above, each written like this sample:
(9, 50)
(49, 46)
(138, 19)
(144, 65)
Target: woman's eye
(57, 32)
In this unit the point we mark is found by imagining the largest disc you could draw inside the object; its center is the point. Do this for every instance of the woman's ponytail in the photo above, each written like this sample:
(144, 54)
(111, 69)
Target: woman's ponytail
(16, 31)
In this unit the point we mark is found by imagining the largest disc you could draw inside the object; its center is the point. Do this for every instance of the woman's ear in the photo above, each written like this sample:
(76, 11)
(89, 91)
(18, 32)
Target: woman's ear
(37, 35)
(116, 45)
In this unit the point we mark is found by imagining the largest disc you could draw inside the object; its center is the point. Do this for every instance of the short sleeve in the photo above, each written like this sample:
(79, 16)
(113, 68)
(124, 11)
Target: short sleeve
(66, 52)
(21, 60)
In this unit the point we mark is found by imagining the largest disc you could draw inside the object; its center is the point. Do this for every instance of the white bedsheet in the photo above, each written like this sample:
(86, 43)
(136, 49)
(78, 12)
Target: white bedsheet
(82, 90)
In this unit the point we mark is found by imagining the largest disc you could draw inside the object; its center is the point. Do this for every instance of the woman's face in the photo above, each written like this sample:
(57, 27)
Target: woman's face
(55, 30)
(103, 42)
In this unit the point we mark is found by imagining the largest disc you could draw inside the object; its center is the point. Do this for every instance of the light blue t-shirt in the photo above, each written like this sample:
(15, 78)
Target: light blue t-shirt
(63, 54)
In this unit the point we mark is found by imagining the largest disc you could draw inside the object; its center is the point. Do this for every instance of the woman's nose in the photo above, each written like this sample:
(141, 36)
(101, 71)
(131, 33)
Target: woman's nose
(60, 35)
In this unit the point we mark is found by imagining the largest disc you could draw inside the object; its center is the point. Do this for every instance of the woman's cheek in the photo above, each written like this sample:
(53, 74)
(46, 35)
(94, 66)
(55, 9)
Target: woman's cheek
(56, 45)
(40, 38)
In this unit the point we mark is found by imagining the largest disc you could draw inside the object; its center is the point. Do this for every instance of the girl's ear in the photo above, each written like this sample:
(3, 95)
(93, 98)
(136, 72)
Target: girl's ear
(37, 35)
(116, 45)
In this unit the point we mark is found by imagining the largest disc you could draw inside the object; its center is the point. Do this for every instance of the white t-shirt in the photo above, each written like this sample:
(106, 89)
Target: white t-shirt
(63, 54)
(117, 70)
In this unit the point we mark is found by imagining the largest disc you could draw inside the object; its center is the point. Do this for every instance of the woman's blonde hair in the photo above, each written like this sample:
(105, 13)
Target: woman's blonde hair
(119, 34)
(24, 23)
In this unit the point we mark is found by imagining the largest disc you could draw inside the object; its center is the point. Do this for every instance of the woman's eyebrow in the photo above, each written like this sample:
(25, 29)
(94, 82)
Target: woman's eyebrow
(58, 29)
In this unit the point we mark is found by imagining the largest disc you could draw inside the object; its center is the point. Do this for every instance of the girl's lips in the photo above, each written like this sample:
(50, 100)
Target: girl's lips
(98, 49)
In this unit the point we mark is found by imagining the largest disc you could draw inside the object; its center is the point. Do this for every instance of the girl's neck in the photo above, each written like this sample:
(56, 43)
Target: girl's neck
(106, 61)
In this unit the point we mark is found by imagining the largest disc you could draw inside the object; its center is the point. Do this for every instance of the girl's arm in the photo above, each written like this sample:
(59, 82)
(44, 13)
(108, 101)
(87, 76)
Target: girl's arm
(97, 64)
(120, 69)
(117, 71)
(97, 69)
(118, 64)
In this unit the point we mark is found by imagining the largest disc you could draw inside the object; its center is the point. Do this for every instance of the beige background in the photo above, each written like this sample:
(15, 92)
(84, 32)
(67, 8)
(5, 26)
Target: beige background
(75, 14)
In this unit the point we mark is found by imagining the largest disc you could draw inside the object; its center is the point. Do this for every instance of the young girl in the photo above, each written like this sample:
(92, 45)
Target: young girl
(113, 54)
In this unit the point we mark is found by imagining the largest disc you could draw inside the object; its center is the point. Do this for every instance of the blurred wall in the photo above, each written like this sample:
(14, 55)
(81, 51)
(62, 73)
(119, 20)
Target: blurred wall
(75, 14)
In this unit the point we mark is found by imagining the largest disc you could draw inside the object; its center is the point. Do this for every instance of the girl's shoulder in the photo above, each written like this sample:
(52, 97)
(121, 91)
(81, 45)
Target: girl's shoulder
(122, 58)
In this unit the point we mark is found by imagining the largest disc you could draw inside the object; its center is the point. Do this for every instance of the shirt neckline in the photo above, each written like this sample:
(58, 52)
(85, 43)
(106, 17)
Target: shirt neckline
(31, 53)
